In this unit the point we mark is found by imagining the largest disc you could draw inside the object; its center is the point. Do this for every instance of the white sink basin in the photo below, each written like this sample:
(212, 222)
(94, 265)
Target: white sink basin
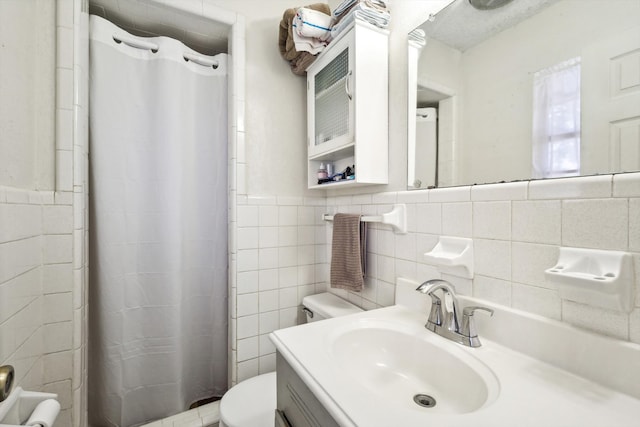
(411, 371)
(365, 369)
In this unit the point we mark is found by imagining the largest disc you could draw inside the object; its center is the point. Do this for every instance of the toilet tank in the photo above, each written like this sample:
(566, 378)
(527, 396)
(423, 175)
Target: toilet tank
(327, 305)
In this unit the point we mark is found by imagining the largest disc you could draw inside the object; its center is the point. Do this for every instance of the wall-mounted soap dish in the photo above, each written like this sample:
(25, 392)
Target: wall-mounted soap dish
(595, 277)
(453, 255)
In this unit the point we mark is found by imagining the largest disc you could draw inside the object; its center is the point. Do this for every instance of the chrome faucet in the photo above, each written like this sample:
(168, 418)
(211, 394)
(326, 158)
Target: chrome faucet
(450, 326)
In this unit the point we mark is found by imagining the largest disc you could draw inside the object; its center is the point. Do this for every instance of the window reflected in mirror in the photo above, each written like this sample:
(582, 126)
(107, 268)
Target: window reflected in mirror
(556, 121)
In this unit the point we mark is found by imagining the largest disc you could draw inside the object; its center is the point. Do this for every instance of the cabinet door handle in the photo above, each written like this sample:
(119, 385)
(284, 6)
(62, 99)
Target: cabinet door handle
(346, 86)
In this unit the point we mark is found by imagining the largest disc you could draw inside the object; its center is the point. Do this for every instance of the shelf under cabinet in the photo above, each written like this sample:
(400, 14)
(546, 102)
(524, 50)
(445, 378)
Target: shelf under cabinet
(334, 154)
(335, 184)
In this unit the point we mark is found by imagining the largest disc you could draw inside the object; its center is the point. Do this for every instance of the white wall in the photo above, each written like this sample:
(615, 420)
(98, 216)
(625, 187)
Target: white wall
(27, 93)
(41, 219)
(275, 111)
(445, 70)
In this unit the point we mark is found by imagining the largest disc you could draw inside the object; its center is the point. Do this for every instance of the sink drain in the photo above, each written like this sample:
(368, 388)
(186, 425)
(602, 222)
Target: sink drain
(424, 400)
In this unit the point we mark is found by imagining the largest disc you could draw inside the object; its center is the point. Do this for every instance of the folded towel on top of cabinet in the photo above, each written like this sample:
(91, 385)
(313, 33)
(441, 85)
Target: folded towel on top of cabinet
(372, 11)
(299, 60)
(312, 23)
(344, 7)
(307, 44)
(300, 64)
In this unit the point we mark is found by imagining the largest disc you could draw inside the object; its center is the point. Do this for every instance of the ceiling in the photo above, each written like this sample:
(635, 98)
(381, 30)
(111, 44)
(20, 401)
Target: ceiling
(461, 26)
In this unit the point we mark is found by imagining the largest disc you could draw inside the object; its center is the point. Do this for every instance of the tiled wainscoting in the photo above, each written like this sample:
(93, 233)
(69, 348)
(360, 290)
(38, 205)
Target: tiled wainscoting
(284, 250)
(281, 258)
(36, 291)
(516, 229)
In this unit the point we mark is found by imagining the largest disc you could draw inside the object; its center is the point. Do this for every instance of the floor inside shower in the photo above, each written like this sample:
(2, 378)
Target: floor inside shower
(206, 401)
(206, 415)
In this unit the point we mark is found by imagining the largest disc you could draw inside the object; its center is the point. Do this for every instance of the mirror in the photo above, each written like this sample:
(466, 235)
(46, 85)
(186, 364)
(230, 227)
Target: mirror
(533, 89)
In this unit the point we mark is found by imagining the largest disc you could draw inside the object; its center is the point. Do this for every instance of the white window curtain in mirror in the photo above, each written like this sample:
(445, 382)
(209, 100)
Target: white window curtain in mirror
(556, 121)
(158, 215)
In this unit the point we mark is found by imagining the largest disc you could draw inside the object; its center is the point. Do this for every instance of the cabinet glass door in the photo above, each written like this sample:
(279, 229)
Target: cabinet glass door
(332, 97)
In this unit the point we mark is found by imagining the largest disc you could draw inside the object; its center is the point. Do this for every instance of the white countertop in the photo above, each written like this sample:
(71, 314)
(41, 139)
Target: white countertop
(531, 392)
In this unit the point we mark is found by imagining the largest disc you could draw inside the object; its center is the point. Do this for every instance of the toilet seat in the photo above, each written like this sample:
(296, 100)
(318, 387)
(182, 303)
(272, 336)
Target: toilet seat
(250, 403)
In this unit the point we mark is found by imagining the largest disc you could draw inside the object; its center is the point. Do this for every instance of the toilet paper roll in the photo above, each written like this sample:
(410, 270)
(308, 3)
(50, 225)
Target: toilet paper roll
(45, 413)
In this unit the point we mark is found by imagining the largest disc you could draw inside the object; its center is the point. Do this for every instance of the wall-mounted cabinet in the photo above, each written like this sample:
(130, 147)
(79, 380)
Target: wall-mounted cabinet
(347, 108)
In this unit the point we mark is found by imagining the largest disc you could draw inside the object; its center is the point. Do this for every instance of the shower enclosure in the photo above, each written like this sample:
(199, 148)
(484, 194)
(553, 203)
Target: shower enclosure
(158, 242)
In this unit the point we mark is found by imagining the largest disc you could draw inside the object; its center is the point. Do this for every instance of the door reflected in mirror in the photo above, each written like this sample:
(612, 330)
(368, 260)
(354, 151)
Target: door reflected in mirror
(534, 89)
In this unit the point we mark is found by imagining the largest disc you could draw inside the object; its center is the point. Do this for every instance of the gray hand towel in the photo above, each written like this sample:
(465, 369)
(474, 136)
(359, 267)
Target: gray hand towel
(348, 252)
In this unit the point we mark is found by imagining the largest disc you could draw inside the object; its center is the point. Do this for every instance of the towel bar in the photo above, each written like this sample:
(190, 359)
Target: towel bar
(397, 218)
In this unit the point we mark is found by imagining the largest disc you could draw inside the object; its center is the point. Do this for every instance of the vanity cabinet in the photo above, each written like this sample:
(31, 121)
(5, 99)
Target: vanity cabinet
(347, 107)
(297, 405)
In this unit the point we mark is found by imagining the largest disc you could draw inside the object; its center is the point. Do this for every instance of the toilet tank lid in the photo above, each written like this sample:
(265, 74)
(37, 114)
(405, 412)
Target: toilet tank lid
(329, 305)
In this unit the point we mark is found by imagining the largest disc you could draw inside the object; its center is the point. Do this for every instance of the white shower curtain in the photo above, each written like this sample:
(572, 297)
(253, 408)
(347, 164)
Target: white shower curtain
(158, 289)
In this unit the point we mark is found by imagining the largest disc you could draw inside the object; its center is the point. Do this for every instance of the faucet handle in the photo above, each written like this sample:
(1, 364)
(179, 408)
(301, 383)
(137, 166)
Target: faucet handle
(468, 325)
(435, 315)
(468, 311)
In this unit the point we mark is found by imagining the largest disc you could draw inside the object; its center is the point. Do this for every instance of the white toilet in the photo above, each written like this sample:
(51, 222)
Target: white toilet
(252, 403)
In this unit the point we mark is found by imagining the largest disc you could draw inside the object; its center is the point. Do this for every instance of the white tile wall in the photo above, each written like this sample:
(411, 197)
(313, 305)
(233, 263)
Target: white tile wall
(268, 279)
(571, 188)
(544, 302)
(529, 260)
(491, 220)
(626, 185)
(507, 191)
(279, 249)
(456, 219)
(36, 290)
(517, 230)
(634, 224)
(492, 258)
(596, 223)
(452, 194)
(492, 289)
(248, 368)
(608, 322)
(634, 325)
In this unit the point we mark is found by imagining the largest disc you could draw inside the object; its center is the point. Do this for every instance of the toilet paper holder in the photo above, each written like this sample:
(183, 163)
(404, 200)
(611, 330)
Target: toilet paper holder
(6, 381)
(19, 406)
